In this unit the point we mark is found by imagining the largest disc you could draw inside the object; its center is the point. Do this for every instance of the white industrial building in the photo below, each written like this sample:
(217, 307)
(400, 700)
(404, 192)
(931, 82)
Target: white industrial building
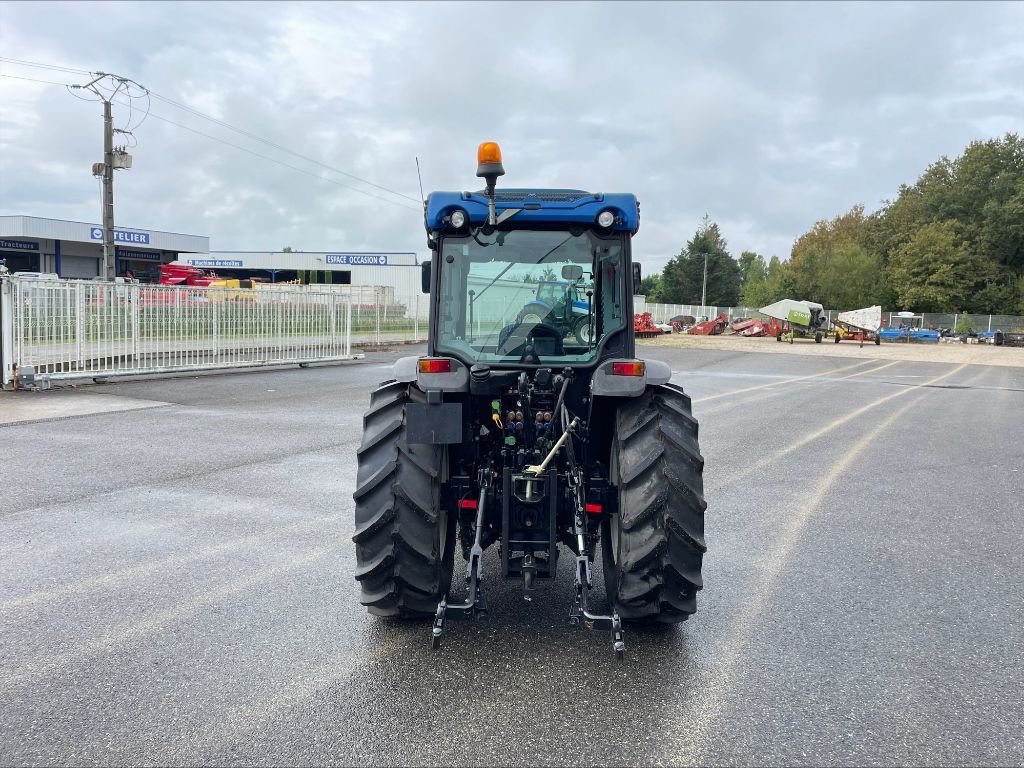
(397, 270)
(75, 248)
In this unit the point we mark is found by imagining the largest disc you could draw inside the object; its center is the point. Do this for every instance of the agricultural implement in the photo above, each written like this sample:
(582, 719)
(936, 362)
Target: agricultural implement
(644, 327)
(859, 325)
(711, 327)
(803, 319)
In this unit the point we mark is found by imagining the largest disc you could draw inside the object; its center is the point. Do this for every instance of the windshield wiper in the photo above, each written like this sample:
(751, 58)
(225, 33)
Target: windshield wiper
(506, 269)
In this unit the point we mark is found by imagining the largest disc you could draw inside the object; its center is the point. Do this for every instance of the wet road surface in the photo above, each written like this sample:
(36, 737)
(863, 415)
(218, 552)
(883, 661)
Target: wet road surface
(176, 586)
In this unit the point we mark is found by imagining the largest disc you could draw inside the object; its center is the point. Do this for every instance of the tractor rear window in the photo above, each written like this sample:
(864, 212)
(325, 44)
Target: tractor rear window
(505, 292)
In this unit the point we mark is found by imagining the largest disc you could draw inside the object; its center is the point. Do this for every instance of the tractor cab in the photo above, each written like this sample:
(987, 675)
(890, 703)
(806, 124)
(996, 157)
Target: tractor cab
(534, 277)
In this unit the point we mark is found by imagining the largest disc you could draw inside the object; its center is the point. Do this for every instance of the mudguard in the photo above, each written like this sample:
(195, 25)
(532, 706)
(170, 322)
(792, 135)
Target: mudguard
(406, 370)
(606, 384)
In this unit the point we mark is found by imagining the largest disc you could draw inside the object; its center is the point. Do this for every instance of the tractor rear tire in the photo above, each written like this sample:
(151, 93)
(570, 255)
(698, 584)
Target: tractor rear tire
(653, 547)
(533, 314)
(405, 542)
(584, 331)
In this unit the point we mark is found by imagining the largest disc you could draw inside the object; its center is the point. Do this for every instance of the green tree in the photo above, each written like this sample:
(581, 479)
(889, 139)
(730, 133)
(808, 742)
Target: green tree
(683, 277)
(754, 274)
(982, 193)
(650, 287)
(835, 265)
(934, 271)
(778, 284)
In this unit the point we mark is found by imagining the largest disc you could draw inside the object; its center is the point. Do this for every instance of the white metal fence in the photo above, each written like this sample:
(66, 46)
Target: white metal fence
(73, 328)
(79, 328)
(955, 322)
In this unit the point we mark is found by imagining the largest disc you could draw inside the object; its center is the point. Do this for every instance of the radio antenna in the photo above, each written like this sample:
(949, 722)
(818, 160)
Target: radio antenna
(420, 177)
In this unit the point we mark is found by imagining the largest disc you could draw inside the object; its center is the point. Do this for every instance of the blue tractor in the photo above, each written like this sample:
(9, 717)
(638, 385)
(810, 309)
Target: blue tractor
(516, 432)
(559, 303)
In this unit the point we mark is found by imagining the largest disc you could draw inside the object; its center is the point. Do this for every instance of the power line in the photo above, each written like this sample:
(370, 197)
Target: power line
(44, 66)
(234, 128)
(33, 79)
(245, 149)
(269, 143)
(281, 162)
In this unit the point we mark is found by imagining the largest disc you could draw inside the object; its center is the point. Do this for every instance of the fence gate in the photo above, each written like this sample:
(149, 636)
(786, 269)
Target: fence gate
(66, 329)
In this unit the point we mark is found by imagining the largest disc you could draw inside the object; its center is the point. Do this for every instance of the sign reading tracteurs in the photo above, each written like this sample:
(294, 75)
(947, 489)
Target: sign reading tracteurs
(18, 245)
(121, 236)
(360, 259)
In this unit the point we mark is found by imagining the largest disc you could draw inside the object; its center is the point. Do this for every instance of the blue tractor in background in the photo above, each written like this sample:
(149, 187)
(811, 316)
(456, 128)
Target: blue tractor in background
(560, 305)
(520, 433)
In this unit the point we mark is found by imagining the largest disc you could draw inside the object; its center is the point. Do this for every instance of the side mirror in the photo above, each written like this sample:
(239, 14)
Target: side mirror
(636, 278)
(572, 272)
(425, 276)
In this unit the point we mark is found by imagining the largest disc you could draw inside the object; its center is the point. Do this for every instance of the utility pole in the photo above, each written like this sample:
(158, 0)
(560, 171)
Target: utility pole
(112, 159)
(704, 291)
(109, 260)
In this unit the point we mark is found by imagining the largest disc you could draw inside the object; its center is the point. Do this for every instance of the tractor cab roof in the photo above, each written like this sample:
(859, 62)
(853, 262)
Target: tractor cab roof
(534, 206)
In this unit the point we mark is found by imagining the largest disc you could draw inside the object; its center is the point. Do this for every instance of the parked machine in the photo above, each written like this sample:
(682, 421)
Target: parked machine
(859, 325)
(510, 436)
(712, 327)
(560, 305)
(803, 319)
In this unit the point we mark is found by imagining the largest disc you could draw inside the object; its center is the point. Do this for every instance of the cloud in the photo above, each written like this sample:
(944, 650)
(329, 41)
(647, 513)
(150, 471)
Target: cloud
(767, 117)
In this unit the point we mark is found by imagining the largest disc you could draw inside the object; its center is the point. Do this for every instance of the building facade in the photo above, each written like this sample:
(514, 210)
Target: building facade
(75, 248)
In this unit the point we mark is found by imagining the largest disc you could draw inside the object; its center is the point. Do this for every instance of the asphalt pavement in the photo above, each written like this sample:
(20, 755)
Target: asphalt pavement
(176, 584)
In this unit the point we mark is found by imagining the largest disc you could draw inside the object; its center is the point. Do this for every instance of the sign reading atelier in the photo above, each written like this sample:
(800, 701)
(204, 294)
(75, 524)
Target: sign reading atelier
(121, 236)
(360, 259)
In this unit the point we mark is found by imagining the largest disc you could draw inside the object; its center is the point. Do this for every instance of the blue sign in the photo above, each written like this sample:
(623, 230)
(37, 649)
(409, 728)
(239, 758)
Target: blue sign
(121, 236)
(358, 259)
(124, 253)
(215, 262)
(18, 245)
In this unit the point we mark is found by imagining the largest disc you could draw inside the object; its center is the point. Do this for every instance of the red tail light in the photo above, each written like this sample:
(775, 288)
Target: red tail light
(592, 509)
(628, 369)
(435, 365)
(467, 503)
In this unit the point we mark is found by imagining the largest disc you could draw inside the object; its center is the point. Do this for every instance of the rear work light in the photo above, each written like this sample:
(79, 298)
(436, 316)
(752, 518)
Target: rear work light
(628, 369)
(435, 365)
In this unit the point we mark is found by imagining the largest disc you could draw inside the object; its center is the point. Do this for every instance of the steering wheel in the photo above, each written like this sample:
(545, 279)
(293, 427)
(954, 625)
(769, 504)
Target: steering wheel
(513, 338)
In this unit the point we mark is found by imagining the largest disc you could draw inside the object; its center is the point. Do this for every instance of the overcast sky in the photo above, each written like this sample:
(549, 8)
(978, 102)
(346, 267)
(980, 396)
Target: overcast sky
(768, 117)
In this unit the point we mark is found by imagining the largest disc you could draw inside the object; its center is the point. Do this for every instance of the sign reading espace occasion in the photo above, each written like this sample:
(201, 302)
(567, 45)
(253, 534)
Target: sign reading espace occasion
(360, 259)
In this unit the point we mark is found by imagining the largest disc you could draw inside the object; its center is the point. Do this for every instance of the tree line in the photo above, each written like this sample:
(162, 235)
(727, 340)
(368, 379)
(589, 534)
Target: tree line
(952, 242)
